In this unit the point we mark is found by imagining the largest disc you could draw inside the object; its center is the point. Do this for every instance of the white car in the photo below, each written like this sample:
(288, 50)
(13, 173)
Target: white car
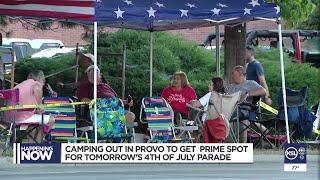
(51, 52)
(9, 41)
(21, 47)
(40, 44)
(6, 57)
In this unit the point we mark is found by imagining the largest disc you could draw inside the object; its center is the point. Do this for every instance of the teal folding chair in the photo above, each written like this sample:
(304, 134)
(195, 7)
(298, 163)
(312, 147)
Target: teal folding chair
(111, 122)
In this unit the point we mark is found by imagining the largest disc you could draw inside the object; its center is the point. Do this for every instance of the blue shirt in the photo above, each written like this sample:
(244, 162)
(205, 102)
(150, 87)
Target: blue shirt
(254, 70)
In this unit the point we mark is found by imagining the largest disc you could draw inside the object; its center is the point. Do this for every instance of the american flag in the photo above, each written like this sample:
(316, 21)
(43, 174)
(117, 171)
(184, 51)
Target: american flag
(61, 9)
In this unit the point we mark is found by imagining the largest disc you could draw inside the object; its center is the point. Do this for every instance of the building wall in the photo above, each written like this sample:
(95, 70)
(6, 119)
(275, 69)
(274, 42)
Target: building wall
(71, 36)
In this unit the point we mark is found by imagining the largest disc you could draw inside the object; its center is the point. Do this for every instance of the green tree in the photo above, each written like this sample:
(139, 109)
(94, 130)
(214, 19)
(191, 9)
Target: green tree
(313, 21)
(296, 12)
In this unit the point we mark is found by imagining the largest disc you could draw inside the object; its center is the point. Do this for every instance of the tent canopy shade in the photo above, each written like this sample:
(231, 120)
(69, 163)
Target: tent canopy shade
(144, 14)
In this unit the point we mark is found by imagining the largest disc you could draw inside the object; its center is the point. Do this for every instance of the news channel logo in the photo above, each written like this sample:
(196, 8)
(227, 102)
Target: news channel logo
(37, 153)
(295, 153)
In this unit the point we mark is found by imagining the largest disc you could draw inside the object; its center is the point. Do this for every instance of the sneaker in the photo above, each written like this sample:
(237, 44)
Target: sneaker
(190, 123)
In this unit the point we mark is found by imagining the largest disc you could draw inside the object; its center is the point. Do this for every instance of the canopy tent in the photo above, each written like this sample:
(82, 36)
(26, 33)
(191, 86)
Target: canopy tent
(167, 15)
(150, 15)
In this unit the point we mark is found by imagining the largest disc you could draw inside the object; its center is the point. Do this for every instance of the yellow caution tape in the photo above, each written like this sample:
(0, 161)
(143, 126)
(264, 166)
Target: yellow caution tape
(316, 131)
(40, 106)
(268, 108)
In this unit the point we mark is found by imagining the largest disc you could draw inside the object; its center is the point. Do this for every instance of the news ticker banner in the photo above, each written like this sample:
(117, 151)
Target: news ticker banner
(295, 157)
(133, 153)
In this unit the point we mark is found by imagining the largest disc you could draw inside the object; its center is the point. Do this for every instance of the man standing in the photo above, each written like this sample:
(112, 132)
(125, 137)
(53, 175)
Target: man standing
(255, 72)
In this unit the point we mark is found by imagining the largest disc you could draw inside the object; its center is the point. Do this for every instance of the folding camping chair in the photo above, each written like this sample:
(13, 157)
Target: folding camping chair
(160, 119)
(299, 118)
(64, 128)
(9, 124)
(254, 116)
(223, 104)
(316, 125)
(8, 98)
(111, 122)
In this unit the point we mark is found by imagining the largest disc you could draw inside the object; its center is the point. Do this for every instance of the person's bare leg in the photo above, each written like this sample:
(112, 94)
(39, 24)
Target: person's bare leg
(42, 133)
(34, 135)
(245, 132)
(40, 136)
(51, 122)
(130, 117)
(261, 127)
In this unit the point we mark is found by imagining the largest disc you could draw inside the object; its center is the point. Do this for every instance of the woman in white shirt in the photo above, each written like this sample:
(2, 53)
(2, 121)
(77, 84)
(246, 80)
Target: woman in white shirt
(215, 84)
(215, 128)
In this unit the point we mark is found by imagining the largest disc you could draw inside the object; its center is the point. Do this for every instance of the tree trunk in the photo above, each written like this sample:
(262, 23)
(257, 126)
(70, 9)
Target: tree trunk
(234, 48)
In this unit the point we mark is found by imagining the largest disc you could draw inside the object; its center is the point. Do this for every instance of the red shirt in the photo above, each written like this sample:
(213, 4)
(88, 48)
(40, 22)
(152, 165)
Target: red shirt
(103, 91)
(178, 99)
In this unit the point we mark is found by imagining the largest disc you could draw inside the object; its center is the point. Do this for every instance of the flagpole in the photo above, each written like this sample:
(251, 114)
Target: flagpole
(95, 47)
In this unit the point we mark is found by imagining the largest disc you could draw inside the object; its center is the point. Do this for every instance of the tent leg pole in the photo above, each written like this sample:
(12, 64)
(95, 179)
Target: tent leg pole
(151, 62)
(124, 72)
(283, 82)
(218, 50)
(95, 47)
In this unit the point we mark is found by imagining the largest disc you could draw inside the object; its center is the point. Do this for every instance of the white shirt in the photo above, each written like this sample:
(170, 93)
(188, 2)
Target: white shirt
(204, 101)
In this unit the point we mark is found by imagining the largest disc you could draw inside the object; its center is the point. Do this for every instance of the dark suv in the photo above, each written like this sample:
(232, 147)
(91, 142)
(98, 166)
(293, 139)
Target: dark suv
(309, 42)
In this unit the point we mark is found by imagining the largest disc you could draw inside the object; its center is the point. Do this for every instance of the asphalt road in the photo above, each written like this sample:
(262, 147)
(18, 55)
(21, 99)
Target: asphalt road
(264, 167)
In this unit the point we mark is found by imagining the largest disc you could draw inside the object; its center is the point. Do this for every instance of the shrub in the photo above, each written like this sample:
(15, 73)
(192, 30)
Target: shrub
(296, 75)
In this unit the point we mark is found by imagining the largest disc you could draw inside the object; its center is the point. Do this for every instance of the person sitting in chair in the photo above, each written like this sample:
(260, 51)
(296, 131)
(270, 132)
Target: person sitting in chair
(248, 89)
(85, 63)
(30, 93)
(178, 94)
(104, 90)
(215, 84)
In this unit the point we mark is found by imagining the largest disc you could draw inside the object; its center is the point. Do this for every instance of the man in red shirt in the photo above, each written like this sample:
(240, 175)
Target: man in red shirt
(104, 90)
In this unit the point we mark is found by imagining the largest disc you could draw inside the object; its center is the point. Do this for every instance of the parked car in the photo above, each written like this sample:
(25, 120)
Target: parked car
(6, 57)
(309, 42)
(41, 44)
(21, 47)
(53, 52)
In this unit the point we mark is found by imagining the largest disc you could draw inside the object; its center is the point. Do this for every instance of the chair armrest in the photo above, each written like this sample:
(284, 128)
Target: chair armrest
(131, 125)
(195, 108)
(140, 117)
(247, 104)
(187, 128)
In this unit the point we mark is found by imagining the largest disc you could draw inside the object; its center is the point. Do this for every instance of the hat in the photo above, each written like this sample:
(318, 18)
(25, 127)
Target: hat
(88, 55)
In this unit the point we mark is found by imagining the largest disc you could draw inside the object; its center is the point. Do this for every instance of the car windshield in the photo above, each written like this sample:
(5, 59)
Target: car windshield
(22, 50)
(308, 45)
(311, 44)
(49, 45)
